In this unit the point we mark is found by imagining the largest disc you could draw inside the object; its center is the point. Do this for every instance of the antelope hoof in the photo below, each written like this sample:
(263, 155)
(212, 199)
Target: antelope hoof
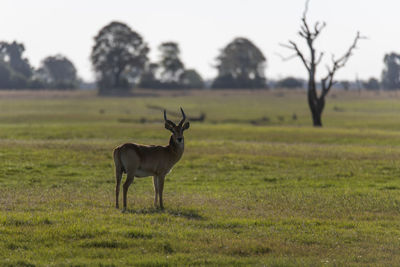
(123, 210)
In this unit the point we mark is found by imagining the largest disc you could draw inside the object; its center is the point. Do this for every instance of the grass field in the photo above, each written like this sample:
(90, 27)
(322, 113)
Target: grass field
(278, 193)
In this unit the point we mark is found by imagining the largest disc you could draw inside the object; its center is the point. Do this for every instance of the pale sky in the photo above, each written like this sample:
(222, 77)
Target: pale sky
(202, 28)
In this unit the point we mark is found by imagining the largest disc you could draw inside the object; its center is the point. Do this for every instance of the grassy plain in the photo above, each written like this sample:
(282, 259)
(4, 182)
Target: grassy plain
(278, 193)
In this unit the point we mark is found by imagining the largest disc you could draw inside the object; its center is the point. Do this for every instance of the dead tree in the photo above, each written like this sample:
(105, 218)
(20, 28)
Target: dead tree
(316, 101)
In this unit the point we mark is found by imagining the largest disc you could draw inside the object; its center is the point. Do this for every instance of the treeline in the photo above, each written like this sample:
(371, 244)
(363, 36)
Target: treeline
(388, 83)
(120, 61)
(390, 78)
(54, 72)
(296, 83)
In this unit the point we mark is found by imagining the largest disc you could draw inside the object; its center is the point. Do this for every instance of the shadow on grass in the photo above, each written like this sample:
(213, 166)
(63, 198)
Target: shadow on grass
(103, 244)
(190, 214)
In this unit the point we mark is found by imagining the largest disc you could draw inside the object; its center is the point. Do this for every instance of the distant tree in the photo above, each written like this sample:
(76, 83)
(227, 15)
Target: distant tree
(240, 65)
(391, 72)
(9, 79)
(19, 81)
(309, 34)
(36, 83)
(59, 72)
(191, 79)
(5, 76)
(371, 84)
(149, 77)
(11, 53)
(290, 83)
(15, 70)
(119, 56)
(171, 66)
(170, 72)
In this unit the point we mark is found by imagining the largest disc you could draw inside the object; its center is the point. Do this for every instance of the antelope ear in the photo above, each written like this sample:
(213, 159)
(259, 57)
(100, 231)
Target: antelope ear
(186, 126)
(168, 126)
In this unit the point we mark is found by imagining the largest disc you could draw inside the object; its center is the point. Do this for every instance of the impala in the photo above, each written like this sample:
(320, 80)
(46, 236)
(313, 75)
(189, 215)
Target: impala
(148, 160)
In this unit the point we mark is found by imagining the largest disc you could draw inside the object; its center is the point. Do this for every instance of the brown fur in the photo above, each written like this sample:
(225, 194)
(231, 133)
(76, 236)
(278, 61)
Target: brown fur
(146, 160)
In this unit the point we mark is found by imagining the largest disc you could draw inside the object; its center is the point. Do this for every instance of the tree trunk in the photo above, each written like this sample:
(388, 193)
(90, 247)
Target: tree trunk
(315, 103)
(316, 112)
(116, 80)
(316, 116)
(117, 77)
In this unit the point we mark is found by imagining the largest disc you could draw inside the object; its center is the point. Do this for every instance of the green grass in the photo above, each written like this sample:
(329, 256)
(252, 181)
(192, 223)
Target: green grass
(278, 194)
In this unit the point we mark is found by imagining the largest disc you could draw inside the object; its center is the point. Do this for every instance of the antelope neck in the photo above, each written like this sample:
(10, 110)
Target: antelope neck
(175, 148)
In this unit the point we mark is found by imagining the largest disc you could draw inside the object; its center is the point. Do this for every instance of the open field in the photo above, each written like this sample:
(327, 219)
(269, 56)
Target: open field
(279, 193)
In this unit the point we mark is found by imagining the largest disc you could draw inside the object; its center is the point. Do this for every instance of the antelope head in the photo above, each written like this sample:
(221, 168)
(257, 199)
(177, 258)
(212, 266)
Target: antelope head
(177, 130)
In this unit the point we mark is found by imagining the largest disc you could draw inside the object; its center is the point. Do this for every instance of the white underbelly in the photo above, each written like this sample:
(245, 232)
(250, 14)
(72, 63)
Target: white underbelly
(143, 173)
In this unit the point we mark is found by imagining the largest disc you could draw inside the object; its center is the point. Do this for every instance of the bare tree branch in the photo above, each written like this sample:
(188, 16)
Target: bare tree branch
(302, 34)
(293, 46)
(286, 46)
(310, 34)
(283, 58)
(306, 8)
(327, 81)
(343, 60)
(321, 55)
(304, 29)
(300, 54)
(318, 28)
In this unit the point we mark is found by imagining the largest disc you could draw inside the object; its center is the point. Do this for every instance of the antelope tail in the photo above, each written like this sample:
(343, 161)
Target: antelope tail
(117, 160)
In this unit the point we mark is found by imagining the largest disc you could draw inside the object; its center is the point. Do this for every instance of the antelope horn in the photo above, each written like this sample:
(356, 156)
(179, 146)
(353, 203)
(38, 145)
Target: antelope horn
(167, 120)
(183, 118)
